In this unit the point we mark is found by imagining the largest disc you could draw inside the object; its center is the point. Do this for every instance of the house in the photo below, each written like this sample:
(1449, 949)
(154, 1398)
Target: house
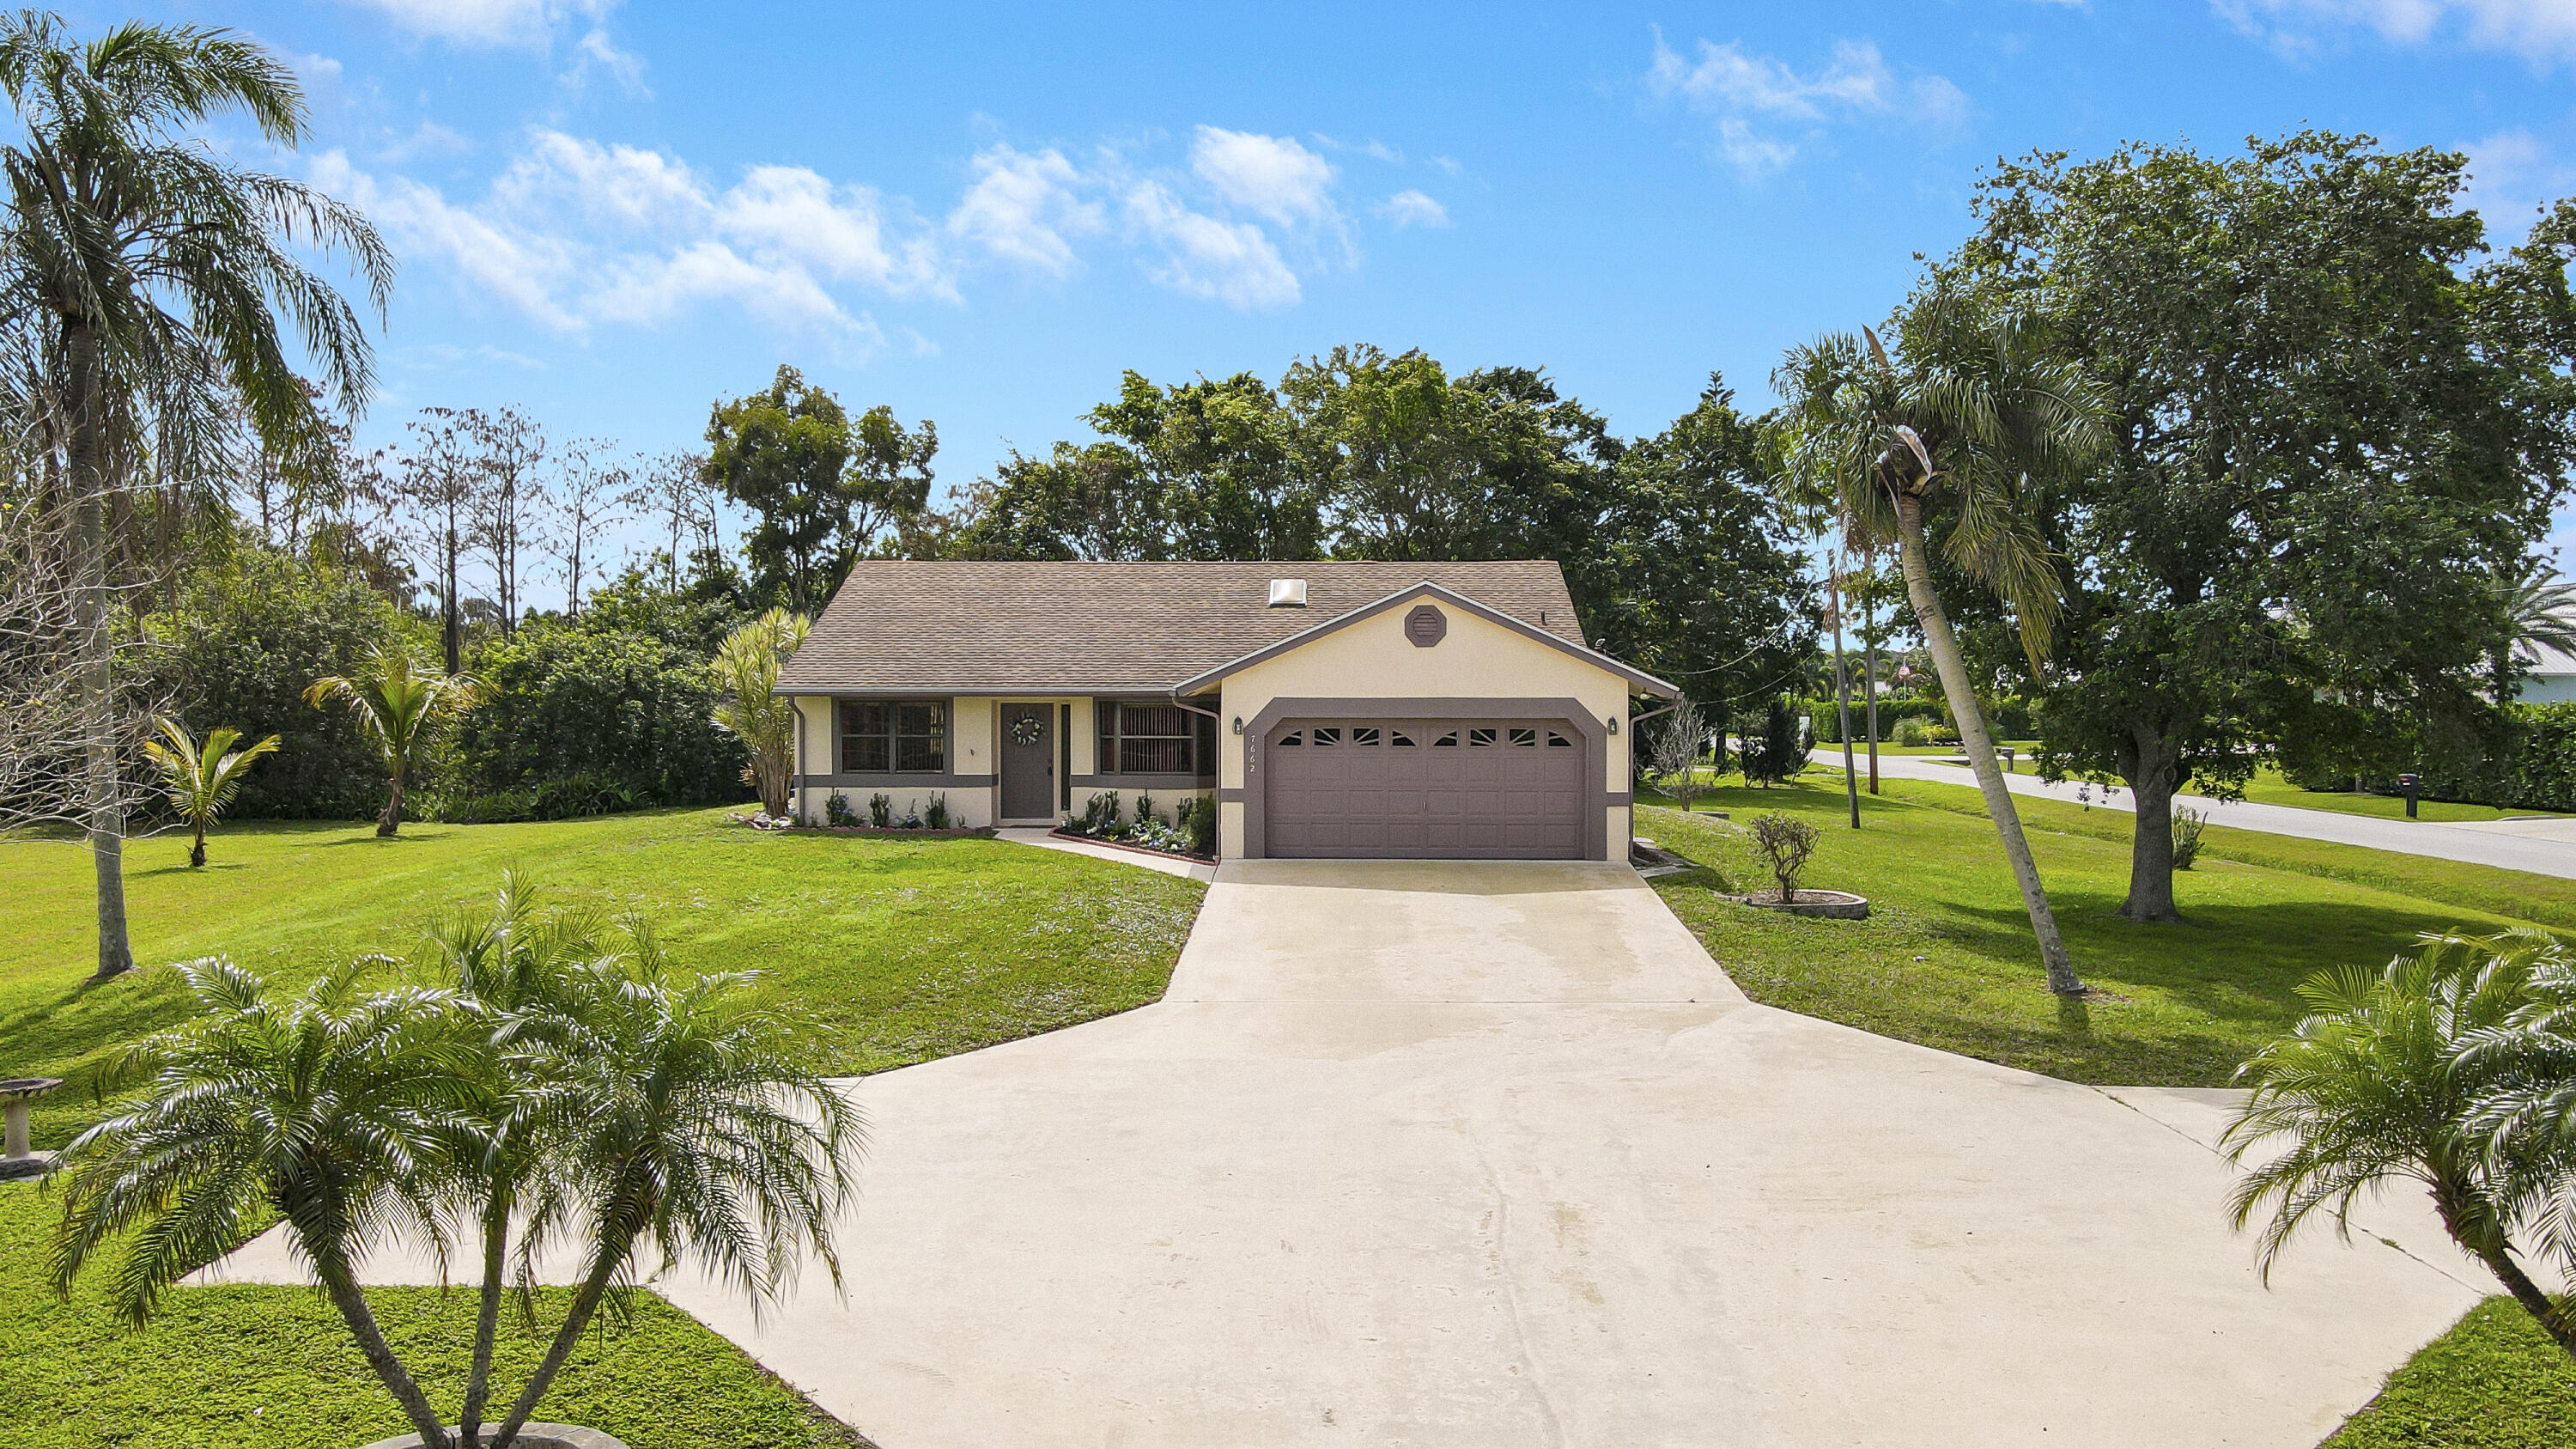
(2549, 677)
(1332, 709)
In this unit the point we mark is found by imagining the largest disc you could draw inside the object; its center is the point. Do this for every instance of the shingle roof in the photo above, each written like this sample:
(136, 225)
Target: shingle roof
(904, 624)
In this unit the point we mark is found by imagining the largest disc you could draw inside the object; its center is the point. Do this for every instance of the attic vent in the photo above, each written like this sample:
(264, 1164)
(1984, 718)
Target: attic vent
(1287, 593)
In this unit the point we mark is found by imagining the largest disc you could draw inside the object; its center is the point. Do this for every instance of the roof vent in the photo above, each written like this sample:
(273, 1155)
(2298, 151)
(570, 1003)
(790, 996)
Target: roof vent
(1287, 593)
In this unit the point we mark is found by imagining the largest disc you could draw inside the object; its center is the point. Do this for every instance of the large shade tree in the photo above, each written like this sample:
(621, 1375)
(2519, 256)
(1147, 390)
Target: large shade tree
(2332, 429)
(1937, 448)
(824, 487)
(144, 285)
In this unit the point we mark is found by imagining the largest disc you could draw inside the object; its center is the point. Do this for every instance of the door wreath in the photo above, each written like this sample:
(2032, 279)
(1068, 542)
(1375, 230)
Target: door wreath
(1027, 730)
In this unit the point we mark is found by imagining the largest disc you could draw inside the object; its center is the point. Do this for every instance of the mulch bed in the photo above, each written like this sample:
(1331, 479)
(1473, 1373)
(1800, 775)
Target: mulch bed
(1061, 834)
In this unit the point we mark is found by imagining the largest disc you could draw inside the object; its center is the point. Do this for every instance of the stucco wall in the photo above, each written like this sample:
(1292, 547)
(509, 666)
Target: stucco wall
(1373, 659)
(972, 750)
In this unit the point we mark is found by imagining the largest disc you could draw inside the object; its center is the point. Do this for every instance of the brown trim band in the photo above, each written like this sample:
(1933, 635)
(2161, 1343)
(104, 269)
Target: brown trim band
(1619, 797)
(1145, 782)
(1229, 795)
(1596, 749)
(915, 781)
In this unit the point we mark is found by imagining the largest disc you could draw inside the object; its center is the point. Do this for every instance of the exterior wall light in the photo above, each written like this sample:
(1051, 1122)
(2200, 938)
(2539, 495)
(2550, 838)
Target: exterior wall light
(1613, 722)
(1238, 724)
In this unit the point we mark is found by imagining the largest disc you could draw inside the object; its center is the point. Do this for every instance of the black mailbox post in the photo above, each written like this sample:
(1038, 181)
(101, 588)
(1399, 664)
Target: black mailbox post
(2409, 783)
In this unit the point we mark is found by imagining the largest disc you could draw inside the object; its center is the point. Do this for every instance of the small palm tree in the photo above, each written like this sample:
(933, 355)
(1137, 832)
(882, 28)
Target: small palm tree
(328, 1108)
(2418, 1072)
(201, 780)
(1955, 432)
(747, 665)
(400, 706)
(554, 1080)
(2542, 609)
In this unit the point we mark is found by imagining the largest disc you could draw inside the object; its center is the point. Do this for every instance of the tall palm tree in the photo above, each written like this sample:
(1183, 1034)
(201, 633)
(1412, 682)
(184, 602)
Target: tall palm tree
(747, 665)
(143, 280)
(1951, 437)
(328, 1108)
(2420, 1071)
(201, 779)
(400, 706)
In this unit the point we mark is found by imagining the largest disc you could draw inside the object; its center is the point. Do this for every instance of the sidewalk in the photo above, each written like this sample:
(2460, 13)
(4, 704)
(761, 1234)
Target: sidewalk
(2543, 847)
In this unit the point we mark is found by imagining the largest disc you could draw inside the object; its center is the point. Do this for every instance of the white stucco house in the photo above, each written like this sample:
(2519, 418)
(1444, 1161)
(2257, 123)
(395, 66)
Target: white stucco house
(1341, 709)
(2552, 677)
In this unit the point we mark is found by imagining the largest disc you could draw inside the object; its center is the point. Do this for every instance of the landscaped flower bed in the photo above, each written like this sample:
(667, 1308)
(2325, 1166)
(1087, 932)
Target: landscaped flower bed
(1066, 833)
(1189, 835)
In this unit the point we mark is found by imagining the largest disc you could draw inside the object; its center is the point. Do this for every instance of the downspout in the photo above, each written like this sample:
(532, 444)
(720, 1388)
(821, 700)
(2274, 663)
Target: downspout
(796, 776)
(1213, 717)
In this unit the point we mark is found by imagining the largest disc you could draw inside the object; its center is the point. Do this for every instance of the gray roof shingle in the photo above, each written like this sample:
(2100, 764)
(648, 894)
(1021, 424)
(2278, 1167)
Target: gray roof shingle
(938, 625)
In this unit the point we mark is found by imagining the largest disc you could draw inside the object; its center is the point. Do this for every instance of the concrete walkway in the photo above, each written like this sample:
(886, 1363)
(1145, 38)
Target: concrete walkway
(1468, 1155)
(1049, 840)
(2541, 846)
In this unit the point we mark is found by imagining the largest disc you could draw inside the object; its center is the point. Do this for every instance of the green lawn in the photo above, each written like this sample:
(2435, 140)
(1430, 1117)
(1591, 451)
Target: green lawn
(2267, 787)
(272, 1368)
(2495, 1381)
(901, 950)
(1947, 959)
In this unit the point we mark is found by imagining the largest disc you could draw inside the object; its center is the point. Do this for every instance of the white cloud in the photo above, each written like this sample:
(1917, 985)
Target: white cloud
(529, 23)
(2541, 31)
(1206, 256)
(426, 139)
(2512, 175)
(1755, 98)
(578, 233)
(1024, 208)
(623, 66)
(1413, 208)
(1270, 176)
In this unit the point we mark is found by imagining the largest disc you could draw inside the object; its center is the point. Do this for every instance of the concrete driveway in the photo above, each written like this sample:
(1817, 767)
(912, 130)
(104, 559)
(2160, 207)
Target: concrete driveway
(1484, 1155)
(1494, 1155)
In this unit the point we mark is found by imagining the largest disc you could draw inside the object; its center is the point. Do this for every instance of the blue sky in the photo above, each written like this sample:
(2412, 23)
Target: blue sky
(608, 214)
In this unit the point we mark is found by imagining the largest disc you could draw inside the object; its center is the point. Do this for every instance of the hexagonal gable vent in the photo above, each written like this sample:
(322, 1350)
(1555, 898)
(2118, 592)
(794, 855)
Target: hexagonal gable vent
(1426, 626)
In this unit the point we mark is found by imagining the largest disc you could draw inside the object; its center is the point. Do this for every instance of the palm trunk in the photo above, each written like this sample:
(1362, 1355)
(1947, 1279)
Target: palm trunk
(487, 1319)
(391, 820)
(2534, 1300)
(97, 652)
(342, 1289)
(2150, 767)
(1869, 647)
(585, 1303)
(1980, 746)
(197, 856)
(1842, 696)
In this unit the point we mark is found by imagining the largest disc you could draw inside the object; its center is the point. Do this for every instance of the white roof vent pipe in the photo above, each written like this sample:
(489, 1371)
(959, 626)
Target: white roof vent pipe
(1287, 593)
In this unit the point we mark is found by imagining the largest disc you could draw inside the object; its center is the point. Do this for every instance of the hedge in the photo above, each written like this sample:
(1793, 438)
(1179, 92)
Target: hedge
(2009, 717)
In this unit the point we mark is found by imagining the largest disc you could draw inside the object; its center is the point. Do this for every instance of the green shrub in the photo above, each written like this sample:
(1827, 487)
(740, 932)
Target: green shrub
(1198, 819)
(837, 811)
(881, 810)
(934, 816)
(612, 707)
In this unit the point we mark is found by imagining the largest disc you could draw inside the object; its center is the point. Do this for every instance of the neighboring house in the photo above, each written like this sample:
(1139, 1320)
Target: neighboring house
(1333, 709)
(2551, 678)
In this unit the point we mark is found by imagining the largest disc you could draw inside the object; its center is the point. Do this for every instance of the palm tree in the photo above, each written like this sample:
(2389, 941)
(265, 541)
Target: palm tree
(400, 706)
(142, 282)
(683, 1116)
(580, 1089)
(328, 1108)
(2542, 609)
(747, 665)
(2419, 1071)
(1976, 412)
(202, 780)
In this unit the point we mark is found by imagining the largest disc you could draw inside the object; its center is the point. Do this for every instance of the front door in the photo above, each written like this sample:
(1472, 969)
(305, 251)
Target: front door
(1028, 761)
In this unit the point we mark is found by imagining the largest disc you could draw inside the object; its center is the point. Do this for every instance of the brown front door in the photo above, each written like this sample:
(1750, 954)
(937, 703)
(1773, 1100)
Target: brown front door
(1028, 761)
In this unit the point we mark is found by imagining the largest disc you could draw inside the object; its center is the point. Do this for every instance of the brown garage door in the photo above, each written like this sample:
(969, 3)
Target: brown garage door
(1441, 789)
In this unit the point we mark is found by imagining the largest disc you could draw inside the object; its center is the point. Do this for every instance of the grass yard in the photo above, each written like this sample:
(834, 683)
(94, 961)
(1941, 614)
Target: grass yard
(1947, 959)
(272, 1368)
(899, 951)
(2494, 1381)
(2269, 788)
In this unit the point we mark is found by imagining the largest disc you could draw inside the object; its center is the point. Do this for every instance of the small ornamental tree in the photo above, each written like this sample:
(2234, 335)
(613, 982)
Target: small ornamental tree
(747, 666)
(1787, 843)
(1672, 758)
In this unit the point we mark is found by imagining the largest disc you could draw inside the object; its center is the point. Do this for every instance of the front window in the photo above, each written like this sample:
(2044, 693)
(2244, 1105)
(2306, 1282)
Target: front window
(901, 736)
(1155, 739)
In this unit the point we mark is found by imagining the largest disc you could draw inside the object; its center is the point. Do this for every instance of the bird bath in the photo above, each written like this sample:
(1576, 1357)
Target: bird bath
(18, 1158)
